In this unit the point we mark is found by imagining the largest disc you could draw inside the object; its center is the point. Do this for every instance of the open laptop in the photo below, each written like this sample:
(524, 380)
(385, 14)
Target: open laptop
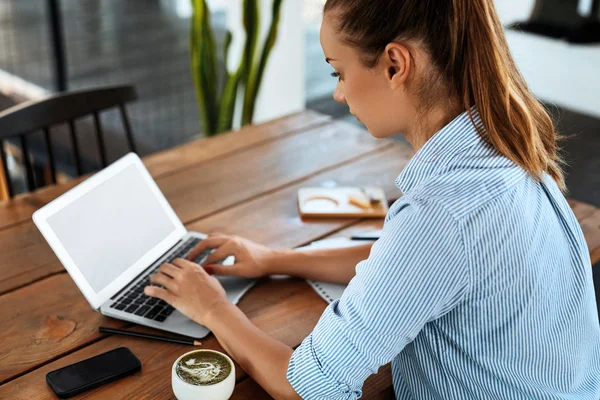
(111, 232)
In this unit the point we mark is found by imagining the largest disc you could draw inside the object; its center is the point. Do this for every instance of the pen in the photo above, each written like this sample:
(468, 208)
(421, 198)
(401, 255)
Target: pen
(141, 335)
(364, 238)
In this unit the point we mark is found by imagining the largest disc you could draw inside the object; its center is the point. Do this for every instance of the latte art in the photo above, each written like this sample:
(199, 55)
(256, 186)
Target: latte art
(202, 371)
(203, 368)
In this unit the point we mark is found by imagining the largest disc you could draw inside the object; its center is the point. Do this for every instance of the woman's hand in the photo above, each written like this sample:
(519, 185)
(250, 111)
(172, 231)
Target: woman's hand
(188, 288)
(252, 260)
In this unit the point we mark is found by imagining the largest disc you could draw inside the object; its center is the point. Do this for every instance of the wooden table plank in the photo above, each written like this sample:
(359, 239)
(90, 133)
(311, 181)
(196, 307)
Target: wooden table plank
(15, 211)
(199, 191)
(47, 318)
(202, 190)
(26, 257)
(580, 209)
(274, 219)
(199, 151)
(376, 387)
(26, 321)
(386, 394)
(21, 207)
(249, 389)
(285, 308)
(295, 309)
(591, 230)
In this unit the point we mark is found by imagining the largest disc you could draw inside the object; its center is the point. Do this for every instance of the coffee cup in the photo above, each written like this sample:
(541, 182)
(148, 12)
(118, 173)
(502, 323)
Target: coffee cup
(203, 374)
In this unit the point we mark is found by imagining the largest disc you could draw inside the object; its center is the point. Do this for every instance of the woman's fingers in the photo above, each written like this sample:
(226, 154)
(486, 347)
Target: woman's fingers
(160, 293)
(221, 253)
(216, 269)
(184, 264)
(211, 242)
(164, 280)
(170, 270)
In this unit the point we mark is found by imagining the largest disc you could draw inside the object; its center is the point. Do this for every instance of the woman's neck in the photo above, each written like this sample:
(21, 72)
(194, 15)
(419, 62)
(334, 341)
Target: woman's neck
(426, 124)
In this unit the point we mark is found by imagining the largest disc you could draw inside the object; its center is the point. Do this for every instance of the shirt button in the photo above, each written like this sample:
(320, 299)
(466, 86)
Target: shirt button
(344, 387)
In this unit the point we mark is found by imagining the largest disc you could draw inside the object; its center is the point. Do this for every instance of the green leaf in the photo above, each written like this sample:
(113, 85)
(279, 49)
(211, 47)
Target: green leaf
(228, 96)
(228, 101)
(227, 45)
(256, 77)
(217, 109)
(251, 21)
(204, 65)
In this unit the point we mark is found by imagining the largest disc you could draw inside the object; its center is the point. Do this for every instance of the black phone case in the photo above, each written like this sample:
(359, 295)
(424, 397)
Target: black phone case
(54, 378)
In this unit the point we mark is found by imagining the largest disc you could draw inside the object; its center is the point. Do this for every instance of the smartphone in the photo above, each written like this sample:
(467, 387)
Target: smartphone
(93, 372)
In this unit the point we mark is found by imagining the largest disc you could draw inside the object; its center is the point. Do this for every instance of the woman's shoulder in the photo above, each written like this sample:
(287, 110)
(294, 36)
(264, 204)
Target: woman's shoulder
(460, 192)
(412, 215)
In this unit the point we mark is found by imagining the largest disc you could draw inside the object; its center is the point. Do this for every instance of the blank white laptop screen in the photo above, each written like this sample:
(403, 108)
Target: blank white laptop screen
(127, 221)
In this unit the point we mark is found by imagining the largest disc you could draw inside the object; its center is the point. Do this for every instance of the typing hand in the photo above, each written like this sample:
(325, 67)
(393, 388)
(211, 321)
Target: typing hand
(187, 287)
(252, 260)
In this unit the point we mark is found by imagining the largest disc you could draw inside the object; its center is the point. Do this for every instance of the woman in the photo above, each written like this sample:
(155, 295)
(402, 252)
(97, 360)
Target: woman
(480, 286)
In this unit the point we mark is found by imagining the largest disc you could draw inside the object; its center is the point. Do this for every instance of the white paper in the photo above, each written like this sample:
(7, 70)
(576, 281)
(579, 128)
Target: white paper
(370, 234)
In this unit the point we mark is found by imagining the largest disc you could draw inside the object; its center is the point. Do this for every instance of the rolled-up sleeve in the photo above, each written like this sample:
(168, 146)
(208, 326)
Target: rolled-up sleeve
(416, 272)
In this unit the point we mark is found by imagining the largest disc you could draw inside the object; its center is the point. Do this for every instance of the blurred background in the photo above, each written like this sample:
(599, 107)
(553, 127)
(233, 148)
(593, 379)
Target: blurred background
(47, 46)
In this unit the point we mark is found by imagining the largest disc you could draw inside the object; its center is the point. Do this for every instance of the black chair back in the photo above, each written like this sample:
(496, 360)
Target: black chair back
(41, 115)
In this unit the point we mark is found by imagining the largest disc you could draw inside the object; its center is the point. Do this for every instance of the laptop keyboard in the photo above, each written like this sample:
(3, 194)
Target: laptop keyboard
(134, 301)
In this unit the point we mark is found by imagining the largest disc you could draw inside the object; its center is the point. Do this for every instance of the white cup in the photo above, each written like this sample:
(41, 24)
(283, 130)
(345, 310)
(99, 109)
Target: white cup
(187, 391)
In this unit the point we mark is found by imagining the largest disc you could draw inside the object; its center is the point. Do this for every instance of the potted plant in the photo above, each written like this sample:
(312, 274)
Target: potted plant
(216, 97)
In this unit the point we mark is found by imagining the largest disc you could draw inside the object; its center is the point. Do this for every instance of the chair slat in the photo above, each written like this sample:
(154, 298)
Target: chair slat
(63, 108)
(50, 154)
(73, 132)
(100, 139)
(27, 161)
(8, 182)
(127, 128)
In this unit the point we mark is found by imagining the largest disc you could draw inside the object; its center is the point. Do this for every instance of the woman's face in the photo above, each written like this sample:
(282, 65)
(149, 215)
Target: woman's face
(371, 94)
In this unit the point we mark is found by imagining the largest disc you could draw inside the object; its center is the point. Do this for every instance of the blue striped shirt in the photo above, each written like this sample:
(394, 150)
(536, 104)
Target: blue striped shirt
(480, 287)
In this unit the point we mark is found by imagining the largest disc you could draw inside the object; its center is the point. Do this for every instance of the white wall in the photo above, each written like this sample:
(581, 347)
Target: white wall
(558, 72)
(282, 91)
(514, 10)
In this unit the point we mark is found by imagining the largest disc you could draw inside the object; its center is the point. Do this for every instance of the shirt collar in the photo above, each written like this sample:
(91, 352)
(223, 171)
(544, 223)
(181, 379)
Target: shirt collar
(455, 137)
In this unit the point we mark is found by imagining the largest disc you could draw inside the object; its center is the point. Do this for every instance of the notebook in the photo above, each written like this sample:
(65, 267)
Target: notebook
(331, 291)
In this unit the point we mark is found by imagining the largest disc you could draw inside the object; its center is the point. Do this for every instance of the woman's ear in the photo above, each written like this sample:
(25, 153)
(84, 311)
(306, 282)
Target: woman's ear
(396, 60)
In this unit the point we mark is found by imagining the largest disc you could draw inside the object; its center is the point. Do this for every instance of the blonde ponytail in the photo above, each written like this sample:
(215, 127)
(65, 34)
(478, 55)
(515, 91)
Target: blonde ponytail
(516, 124)
(467, 45)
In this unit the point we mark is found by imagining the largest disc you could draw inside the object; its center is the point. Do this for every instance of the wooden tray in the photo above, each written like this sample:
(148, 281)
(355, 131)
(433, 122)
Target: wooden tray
(335, 203)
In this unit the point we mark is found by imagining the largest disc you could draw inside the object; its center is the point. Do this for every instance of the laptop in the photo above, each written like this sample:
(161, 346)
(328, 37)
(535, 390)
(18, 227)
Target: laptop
(115, 229)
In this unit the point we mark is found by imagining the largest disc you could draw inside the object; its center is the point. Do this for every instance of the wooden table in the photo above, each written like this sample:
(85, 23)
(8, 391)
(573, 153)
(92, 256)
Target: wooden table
(242, 183)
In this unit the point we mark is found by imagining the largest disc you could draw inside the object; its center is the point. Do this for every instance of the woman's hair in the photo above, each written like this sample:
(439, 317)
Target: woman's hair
(471, 59)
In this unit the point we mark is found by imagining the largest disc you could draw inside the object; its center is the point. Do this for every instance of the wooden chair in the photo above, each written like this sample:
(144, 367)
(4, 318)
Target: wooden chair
(41, 115)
